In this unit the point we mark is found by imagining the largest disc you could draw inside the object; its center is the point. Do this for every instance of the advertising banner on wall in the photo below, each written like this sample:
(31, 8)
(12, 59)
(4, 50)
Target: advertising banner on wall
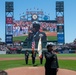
(60, 38)
(9, 30)
(60, 20)
(60, 28)
(9, 20)
(9, 39)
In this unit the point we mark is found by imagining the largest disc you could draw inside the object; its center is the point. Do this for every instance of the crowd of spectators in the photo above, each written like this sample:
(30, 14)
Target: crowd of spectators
(3, 48)
(23, 27)
(10, 48)
(48, 26)
(71, 47)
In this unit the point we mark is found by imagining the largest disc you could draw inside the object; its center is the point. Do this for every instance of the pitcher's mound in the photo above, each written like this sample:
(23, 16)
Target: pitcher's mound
(36, 71)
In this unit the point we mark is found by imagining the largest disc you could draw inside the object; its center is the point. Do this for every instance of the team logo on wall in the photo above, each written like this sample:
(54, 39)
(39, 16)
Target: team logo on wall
(46, 18)
(60, 38)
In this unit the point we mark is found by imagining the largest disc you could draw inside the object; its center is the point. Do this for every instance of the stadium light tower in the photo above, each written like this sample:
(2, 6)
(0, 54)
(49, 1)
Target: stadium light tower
(9, 14)
(60, 21)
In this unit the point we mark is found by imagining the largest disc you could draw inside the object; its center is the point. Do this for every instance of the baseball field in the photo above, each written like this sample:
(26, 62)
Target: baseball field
(22, 38)
(66, 61)
(14, 64)
(50, 36)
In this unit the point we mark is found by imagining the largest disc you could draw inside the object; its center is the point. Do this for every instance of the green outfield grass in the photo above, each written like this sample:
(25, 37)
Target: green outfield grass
(66, 64)
(22, 38)
(67, 55)
(17, 63)
(22, 55)
(11, 55)
(19, 38)
(52, 38)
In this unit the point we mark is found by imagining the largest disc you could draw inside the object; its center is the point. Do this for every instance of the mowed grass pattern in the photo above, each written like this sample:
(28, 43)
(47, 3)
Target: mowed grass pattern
(11, 55)
(22, 55)
(67, 55)
(66, 64)
(22, 38)
(19, 38)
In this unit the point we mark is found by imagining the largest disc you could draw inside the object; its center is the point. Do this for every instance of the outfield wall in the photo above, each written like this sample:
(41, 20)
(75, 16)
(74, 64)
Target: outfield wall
(2, 52)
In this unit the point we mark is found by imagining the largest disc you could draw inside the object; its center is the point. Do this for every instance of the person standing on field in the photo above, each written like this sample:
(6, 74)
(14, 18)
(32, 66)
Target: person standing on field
(51, 64)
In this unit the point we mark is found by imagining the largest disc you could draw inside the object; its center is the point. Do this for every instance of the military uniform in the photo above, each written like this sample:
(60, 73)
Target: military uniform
(41, 58)
(36, 37)
(33, 57)
(36, 34)
(51, 64)
(26, 57)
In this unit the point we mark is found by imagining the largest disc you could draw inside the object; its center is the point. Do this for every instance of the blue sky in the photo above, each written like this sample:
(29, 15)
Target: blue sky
(48, 6)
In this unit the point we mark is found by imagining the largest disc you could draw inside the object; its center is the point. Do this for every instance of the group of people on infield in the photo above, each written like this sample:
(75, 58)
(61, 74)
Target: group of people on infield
(33, 56)
(51, 63)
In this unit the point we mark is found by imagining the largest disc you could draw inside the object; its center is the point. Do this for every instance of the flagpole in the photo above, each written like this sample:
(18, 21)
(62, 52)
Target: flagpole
(33, 45)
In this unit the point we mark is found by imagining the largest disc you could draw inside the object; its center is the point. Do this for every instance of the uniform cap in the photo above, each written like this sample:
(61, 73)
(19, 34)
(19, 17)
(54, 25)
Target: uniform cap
(36, 25)
(50, 45)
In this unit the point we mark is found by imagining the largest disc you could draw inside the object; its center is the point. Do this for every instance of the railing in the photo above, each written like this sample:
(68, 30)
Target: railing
(29, 44)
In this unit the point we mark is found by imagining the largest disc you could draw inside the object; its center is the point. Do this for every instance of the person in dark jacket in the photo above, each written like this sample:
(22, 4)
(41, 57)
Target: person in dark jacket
(51, 64)
(26, 56)
(33, 57)
(35, 34)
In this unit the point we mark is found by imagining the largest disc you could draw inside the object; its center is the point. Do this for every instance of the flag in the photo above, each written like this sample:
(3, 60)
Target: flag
(40, 48)
(33, 45)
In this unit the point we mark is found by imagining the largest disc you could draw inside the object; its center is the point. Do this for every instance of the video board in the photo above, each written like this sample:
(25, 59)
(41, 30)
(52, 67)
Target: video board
(21, 29)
